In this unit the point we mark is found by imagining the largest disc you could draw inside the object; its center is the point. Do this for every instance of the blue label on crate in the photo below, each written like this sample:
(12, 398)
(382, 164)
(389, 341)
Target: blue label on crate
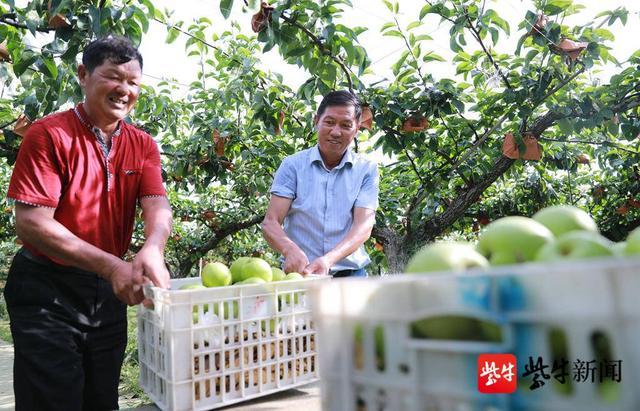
(475, 292)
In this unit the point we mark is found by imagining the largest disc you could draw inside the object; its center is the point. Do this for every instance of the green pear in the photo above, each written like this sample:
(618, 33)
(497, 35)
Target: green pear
(456, 327)
(257, 268)
(575, 245)
(445, 256)
(619, 248)
(277, 274)
(195, 287)
(253, 280)
(225, 309)
(378, 339)
(514, 239)
(293, 276)
(633, 243)
(215, 275)
(561, 219)
(236, 269)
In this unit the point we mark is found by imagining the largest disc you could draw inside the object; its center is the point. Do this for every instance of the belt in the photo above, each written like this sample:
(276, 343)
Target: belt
(49, 263)
(35, 258)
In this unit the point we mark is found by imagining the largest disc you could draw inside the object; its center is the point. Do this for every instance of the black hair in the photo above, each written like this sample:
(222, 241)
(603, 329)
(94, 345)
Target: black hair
(117, 50)
(340, 98)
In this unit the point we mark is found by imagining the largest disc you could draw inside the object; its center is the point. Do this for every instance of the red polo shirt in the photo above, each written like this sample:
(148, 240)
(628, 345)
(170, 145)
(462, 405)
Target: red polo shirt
(62, 165)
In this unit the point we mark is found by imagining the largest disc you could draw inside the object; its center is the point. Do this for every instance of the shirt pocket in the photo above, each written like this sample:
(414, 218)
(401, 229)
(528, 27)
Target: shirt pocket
(129, 179)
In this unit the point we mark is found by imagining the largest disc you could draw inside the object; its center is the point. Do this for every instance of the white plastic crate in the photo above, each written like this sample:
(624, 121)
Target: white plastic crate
(528, 301)
(201, 349)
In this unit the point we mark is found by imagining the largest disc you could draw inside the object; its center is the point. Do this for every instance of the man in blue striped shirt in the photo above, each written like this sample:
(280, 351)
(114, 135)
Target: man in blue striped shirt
(323, 199)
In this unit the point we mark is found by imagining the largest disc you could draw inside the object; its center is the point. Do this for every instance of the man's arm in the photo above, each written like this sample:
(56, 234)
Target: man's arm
(149, 262)
(363, 221)
(36, 226)
(295, 258)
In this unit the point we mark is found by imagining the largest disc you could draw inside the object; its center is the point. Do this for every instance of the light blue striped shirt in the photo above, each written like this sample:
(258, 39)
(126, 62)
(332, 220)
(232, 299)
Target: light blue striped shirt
(321, 212)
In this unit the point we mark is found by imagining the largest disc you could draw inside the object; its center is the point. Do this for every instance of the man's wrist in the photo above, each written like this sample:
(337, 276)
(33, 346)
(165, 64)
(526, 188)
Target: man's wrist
(290, 249)
(330, 260)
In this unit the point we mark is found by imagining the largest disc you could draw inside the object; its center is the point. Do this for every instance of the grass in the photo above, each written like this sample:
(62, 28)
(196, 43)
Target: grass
(5, 332)
(131, 395)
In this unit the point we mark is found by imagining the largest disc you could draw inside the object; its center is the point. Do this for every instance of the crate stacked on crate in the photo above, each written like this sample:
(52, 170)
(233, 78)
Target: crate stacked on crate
(201, 349)
(372, 358)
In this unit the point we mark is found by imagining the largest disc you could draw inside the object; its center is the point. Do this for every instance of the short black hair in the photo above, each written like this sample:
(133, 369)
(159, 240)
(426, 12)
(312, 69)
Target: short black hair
(340, 98)
(116, 49)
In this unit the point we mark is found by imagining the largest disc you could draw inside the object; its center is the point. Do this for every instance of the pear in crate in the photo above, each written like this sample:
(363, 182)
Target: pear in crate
(215, 275)
(514, 239)
(253, 280)
(561, 219)
(236, 269)
(226, 310)
(445, 256)
(447, 327)
(293, 276)
(633, 243)
(195, 307)
(575, 245)
(277, 274)
(256, 268)
(619, 248)
(378, 341)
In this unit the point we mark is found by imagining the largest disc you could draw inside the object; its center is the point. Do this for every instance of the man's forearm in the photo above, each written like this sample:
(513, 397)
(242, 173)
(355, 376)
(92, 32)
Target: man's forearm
(352, 241)
(56, 241)
(277, 238)
(158, 222)
(360, 231)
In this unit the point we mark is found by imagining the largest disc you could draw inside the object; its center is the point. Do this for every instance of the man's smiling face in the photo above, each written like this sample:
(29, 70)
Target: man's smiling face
(337, 127)
(111, 90)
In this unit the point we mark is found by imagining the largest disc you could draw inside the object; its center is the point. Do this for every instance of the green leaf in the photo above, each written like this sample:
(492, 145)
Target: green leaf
(426, 10)
(392, 33)
(172, 35)
(225, 8)
(26, 60)
(530, 55)
(431, 56)
(386, 26)
(494, 35)
(388, 4)
(565, 126)
(398, 64)
(414, 25)
(553, 7)
(519, 46)
(453, 44)
(49, 67)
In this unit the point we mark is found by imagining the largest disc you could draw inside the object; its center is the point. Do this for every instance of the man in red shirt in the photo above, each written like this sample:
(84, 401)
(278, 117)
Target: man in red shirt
(76, 184)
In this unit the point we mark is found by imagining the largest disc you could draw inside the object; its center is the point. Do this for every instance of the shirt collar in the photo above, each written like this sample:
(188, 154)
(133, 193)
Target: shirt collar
(316, 157)
(82, 116)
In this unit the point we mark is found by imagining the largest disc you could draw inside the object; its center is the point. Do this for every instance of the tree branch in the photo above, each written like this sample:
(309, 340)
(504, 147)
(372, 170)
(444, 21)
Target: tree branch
(477, 143)
(218, 236)
(590, 142)
(479, 40)
(413, 56)
(395, 135)
(8, 20)
(323, 49)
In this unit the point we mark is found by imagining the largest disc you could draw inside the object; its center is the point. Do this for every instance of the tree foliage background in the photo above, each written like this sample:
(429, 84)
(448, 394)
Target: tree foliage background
(445, 173)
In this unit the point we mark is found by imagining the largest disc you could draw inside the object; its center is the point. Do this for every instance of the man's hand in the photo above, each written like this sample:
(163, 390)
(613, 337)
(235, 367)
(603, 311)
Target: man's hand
(127, 285)
(149, 263)
(320, 265)
(295, 260)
